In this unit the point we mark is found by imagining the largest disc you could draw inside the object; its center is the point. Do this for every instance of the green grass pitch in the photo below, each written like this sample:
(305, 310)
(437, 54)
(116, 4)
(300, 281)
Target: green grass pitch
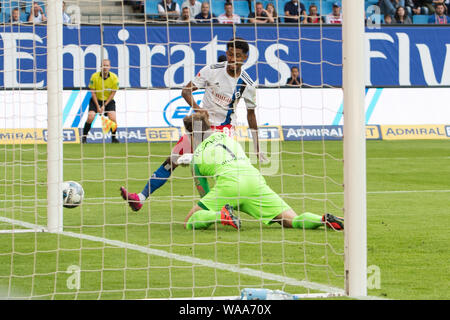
(407, 225)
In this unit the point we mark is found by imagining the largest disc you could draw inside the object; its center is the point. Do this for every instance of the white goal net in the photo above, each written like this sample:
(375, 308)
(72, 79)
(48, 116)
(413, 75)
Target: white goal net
(102, 249)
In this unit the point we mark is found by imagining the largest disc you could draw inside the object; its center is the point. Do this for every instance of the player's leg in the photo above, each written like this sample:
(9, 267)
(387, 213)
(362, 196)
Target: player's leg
(216, 206)
(308, 220)
(201, 218)
(110, 112)
(91, 115)
(159, 177)
(269, 207)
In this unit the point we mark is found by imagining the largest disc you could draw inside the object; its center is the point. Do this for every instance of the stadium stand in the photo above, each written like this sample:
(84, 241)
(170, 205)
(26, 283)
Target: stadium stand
(113, 11)
(420, 19)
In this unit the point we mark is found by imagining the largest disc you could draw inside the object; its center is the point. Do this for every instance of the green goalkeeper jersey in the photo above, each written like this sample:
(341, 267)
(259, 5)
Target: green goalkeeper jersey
(220, 155)
(238, 183)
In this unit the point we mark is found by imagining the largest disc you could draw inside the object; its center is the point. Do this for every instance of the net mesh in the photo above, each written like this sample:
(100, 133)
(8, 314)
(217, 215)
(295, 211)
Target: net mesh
(109, 251)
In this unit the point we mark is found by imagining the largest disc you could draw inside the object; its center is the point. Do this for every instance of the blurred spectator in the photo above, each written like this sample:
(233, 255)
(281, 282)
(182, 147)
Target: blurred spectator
(295, 79)
(430, 5)
(414, 7)
(137, 5)
(36, 14)
(439, 17)
(272, 12)
(66, 17)
(194, 6)
(205, 15)
(294, 11)
(401, 16)
(185, 16)
(390, 6)
(446, 4)
(313, 16)
(229, 16)
(260, 15)
(388, 19)
(169, 10)
(15, 16)
(336, 15)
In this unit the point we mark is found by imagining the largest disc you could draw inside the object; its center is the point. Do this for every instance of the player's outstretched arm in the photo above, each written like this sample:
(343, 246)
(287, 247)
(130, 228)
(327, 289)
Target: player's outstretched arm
(186, 93)
(201, 182)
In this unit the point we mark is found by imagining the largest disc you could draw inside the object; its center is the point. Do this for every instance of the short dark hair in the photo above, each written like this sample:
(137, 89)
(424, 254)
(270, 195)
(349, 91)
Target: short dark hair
(294, 67)
(197, 120)
(238, 43)
(222, 58)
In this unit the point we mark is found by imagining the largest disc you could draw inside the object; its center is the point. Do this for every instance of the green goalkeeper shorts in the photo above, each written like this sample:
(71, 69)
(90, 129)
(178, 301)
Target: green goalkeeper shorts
(249, 194)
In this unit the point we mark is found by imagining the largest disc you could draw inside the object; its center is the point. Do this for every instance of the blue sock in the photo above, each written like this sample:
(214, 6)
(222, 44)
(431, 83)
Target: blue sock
(157, 180)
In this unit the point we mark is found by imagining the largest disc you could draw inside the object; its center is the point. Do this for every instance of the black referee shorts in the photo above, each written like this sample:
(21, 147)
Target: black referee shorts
(111, 106)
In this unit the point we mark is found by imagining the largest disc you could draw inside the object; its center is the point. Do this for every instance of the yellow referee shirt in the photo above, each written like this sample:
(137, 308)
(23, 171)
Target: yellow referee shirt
(104, 87)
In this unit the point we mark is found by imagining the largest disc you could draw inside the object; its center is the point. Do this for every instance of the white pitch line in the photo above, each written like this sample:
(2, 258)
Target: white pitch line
(196, 261)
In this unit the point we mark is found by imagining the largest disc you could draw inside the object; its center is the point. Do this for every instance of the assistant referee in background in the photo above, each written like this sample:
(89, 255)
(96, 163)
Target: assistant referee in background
(103, 85)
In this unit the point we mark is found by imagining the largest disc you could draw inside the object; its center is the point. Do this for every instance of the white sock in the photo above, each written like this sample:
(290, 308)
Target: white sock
(141, 197)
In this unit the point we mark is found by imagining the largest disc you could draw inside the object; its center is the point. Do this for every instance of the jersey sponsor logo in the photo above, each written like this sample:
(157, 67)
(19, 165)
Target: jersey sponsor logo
(177, 108)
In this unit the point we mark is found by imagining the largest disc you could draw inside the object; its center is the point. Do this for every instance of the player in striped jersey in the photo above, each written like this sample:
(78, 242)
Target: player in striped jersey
(225, 84)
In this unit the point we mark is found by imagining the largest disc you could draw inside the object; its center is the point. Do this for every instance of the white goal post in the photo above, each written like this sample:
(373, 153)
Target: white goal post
(55, 138)
(354, 149)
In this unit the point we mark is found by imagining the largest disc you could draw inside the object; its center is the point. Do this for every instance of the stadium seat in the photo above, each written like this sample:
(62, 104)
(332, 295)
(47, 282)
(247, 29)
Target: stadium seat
(4, 16)
(241, 9)
(24, 16)
(8, 5)
(375, 18)
(280, 8)
(420, 19)
(29, 4)
(308, 3)
(218, 7)
(151, 7)
(327, 8)
(281, 4)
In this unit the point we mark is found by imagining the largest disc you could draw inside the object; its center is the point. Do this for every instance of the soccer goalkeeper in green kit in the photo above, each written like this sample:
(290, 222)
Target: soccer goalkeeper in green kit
(238, 186)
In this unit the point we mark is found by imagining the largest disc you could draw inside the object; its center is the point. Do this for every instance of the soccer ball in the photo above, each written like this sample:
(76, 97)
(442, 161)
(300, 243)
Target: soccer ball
(73, 194)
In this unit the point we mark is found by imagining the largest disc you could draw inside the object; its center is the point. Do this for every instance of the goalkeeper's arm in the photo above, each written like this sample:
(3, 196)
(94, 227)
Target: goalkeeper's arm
(201, 183)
